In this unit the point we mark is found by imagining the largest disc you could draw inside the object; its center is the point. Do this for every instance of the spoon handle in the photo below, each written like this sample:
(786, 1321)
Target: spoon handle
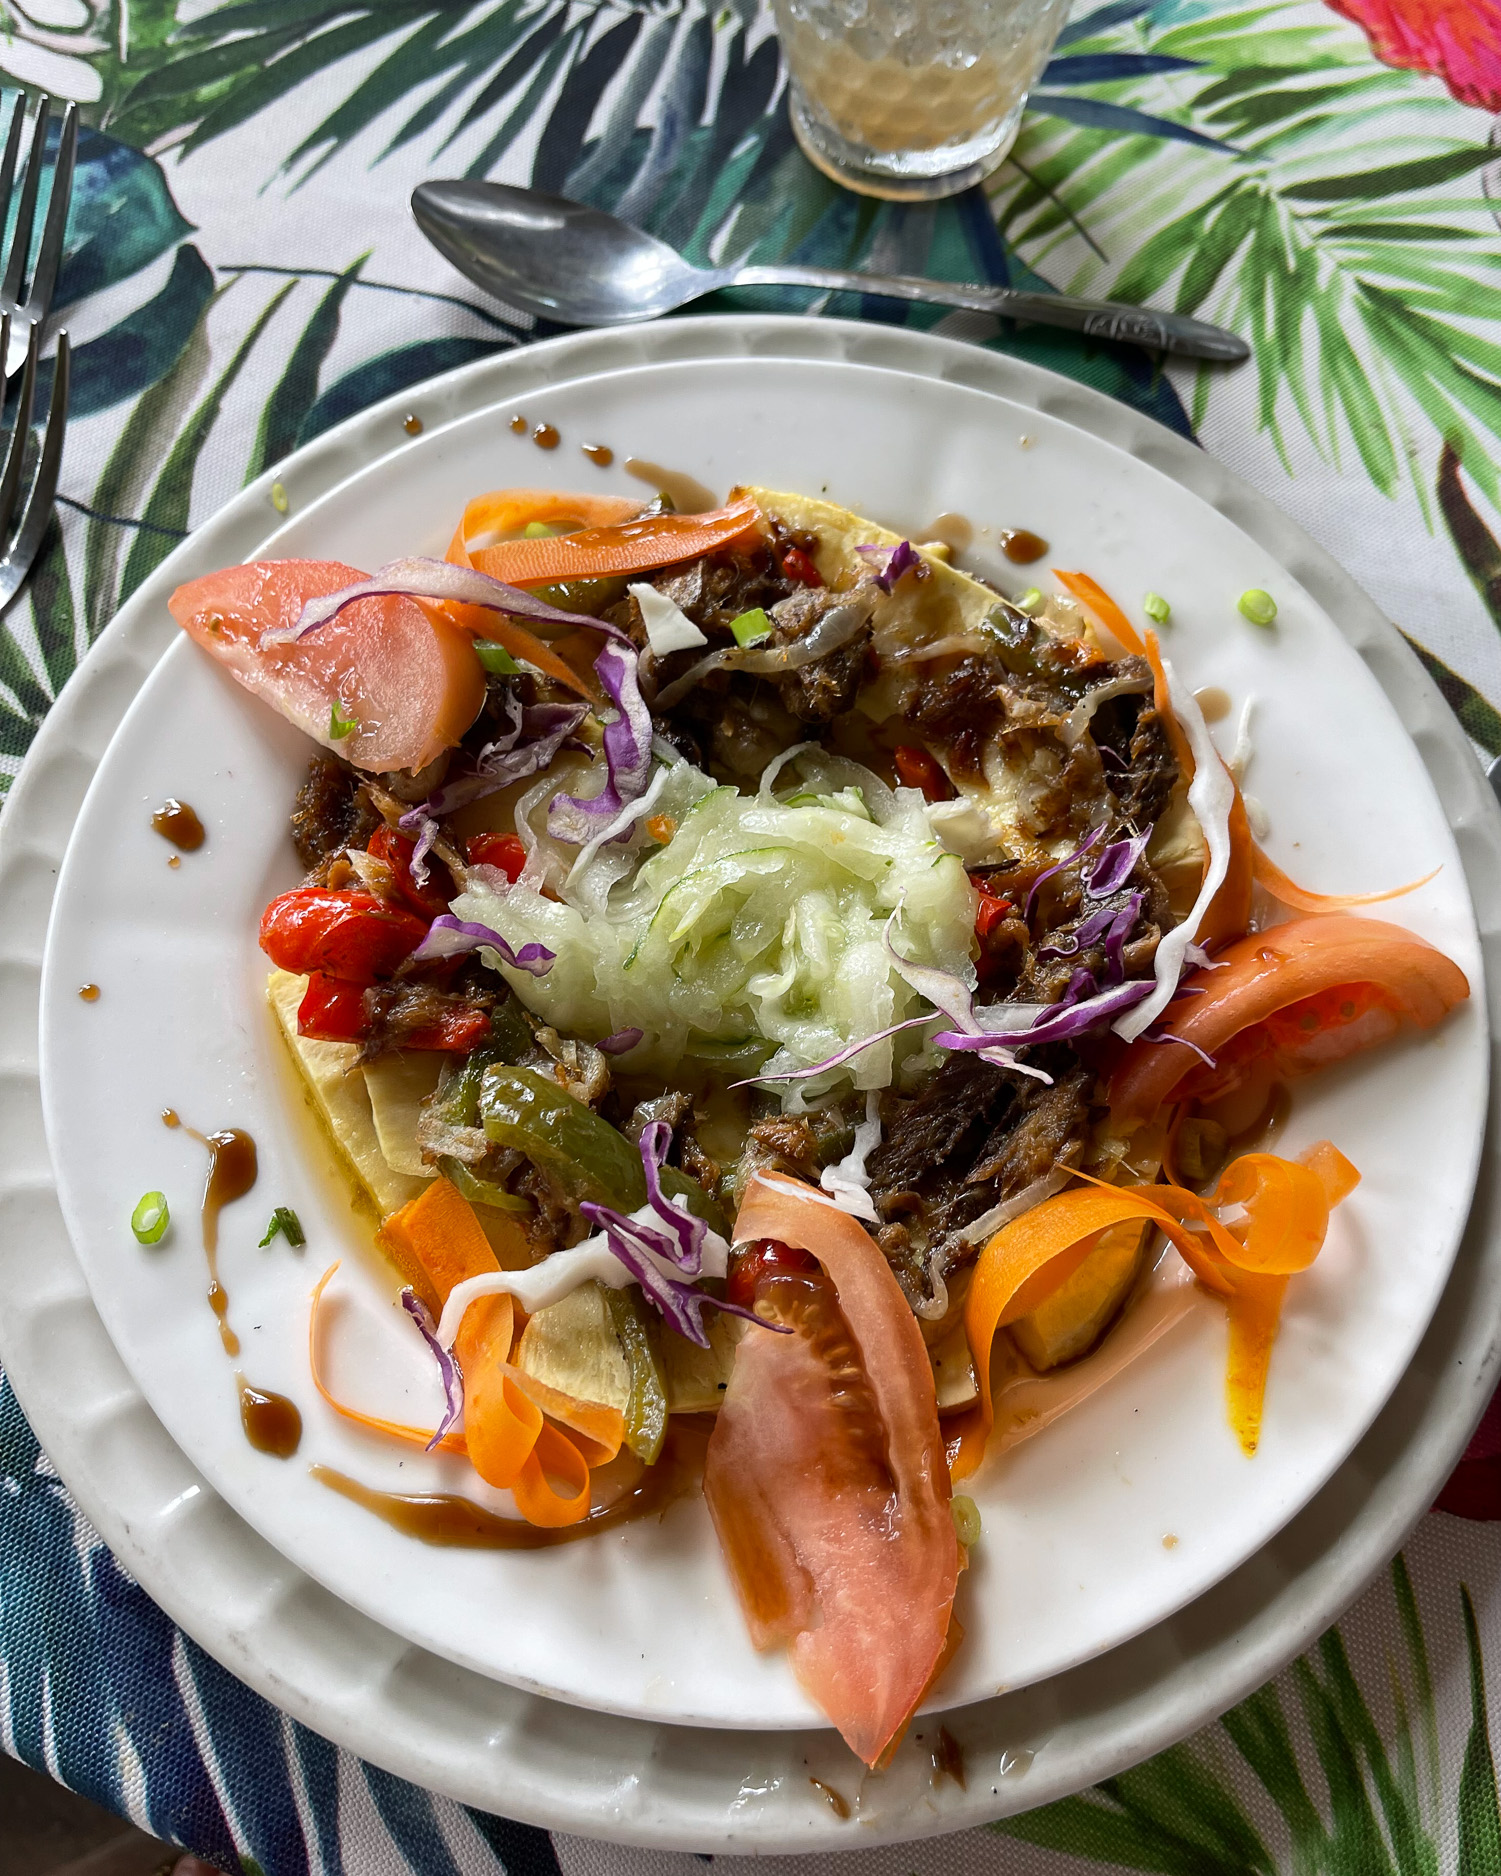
(1099, 319)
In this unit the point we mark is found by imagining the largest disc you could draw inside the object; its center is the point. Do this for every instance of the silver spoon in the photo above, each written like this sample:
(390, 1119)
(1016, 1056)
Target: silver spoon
(559, 260)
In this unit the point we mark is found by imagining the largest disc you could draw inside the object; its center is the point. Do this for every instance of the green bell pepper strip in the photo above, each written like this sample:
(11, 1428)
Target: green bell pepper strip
(590, 1159)
(480, 1191)
(646, 1408)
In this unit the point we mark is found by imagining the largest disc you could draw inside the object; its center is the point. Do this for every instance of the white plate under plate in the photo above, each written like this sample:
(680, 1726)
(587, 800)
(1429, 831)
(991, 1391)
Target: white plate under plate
(618, 1777)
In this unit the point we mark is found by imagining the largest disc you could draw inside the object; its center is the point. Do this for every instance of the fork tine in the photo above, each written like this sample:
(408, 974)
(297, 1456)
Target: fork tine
(15, 449)
(20, 241)
(12, 151)
(49, 255)
(16, 563)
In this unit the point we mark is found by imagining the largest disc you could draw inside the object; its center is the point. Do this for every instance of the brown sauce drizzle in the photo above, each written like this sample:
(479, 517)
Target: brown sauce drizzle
(948, 1759)
(231, 1174)
(600, 453)
(448, 1518)
(175, 821)
(1213, 702)
(272, 1423)
(837, 1802)
(1021, 546)
(688, 496)
(412, 424)
(89, 992)
(545, 436)
(518, 424)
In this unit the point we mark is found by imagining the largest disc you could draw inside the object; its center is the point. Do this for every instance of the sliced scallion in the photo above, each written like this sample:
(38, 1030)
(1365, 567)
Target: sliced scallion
(339, 725)
(286, 1224)
(751, 627)
(495, 658)
(1156, 608)
(966, 1515)
(1259, 607)
(150, 1218)
(1030, 601)
(536, 531)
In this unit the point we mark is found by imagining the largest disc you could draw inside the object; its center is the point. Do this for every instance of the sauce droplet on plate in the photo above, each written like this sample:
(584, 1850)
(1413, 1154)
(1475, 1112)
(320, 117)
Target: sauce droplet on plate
(600, 453)
(948, 1759)
(687, 495)
(89, 992)
(412, 424)
(272, 1423)
(232, 1168)
(545, 436)
(1214, 702)
(1021, 546)
(518, 424)
(837, 1802)
(958, 531)
(174, 820)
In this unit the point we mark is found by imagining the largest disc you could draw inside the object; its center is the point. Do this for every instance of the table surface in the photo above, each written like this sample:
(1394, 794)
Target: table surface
(242, 273)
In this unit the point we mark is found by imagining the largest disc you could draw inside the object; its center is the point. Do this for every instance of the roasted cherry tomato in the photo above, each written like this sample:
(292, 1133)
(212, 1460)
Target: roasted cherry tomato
(332, 1010)
(502, 850)
(799, 566)
(388, 844)
(753, 1261)
(917, 769)
(352, 935)
(456, 1032)
(992, 912)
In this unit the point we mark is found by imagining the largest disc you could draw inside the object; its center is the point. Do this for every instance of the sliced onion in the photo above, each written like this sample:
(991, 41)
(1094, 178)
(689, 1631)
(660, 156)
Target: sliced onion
(420, 577)
(848, 1183)
(1079, 718)
(954, 646)
(1028, 1199)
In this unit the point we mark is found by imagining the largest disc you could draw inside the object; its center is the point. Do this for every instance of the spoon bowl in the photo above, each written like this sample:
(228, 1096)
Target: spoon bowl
(553, 258)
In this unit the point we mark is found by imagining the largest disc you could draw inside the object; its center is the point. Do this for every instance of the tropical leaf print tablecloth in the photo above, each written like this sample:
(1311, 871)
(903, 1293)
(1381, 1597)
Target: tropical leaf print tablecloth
(242, 273)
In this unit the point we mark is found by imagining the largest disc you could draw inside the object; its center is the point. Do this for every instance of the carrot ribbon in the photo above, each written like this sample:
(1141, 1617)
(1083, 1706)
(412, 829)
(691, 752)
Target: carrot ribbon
(1280, 1210)
(519, 1434)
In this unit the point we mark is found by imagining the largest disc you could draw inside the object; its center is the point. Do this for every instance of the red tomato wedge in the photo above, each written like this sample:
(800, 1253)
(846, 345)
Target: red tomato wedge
(826, 1476)
(409, 681)
(1284, 1003)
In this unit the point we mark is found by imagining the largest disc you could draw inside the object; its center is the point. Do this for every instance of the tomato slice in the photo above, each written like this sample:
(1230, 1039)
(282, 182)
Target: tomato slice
(387, 844)
(825, 1474)
(1285, 1003)
(502, 850)
(409, 682)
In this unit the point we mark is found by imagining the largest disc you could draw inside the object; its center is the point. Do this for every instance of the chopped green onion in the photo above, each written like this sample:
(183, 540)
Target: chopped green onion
(278, 498)
(339, 725)
(1030, 601)
(495, 658)
(1259, 607)
(536, 531)
(285, 1223)
(1156, 608)
(150, 1218)
(966, 1515)
(751, 627)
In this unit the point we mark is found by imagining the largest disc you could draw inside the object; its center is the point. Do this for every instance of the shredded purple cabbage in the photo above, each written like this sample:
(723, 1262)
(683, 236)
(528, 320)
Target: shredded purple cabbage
(622, 1041)
(687, 1231)
(1203, 1054)
(418, 822)
(1121, 928)
(448, 1368)
(450, 937)
(1058, 866)
(420, 577)
(627, 745)
(898, 562)
(681, 1305)
(1073, 1015)
(1116, 865)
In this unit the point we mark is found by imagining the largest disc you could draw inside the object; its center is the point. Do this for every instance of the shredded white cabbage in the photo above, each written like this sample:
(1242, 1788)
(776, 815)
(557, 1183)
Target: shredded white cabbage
(848, 1183)
(668, 627)
(753, 937)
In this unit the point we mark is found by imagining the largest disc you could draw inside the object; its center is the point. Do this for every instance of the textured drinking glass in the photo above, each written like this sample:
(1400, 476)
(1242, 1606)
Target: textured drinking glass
(912, 98)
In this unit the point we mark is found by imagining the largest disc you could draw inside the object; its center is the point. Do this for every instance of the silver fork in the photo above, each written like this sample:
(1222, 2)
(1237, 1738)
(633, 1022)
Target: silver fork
(31, 304)
(20, 548)
(23, 309)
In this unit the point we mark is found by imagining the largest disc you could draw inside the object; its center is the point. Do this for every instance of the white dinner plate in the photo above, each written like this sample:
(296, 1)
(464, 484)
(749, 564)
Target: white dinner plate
(1095, 1530)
